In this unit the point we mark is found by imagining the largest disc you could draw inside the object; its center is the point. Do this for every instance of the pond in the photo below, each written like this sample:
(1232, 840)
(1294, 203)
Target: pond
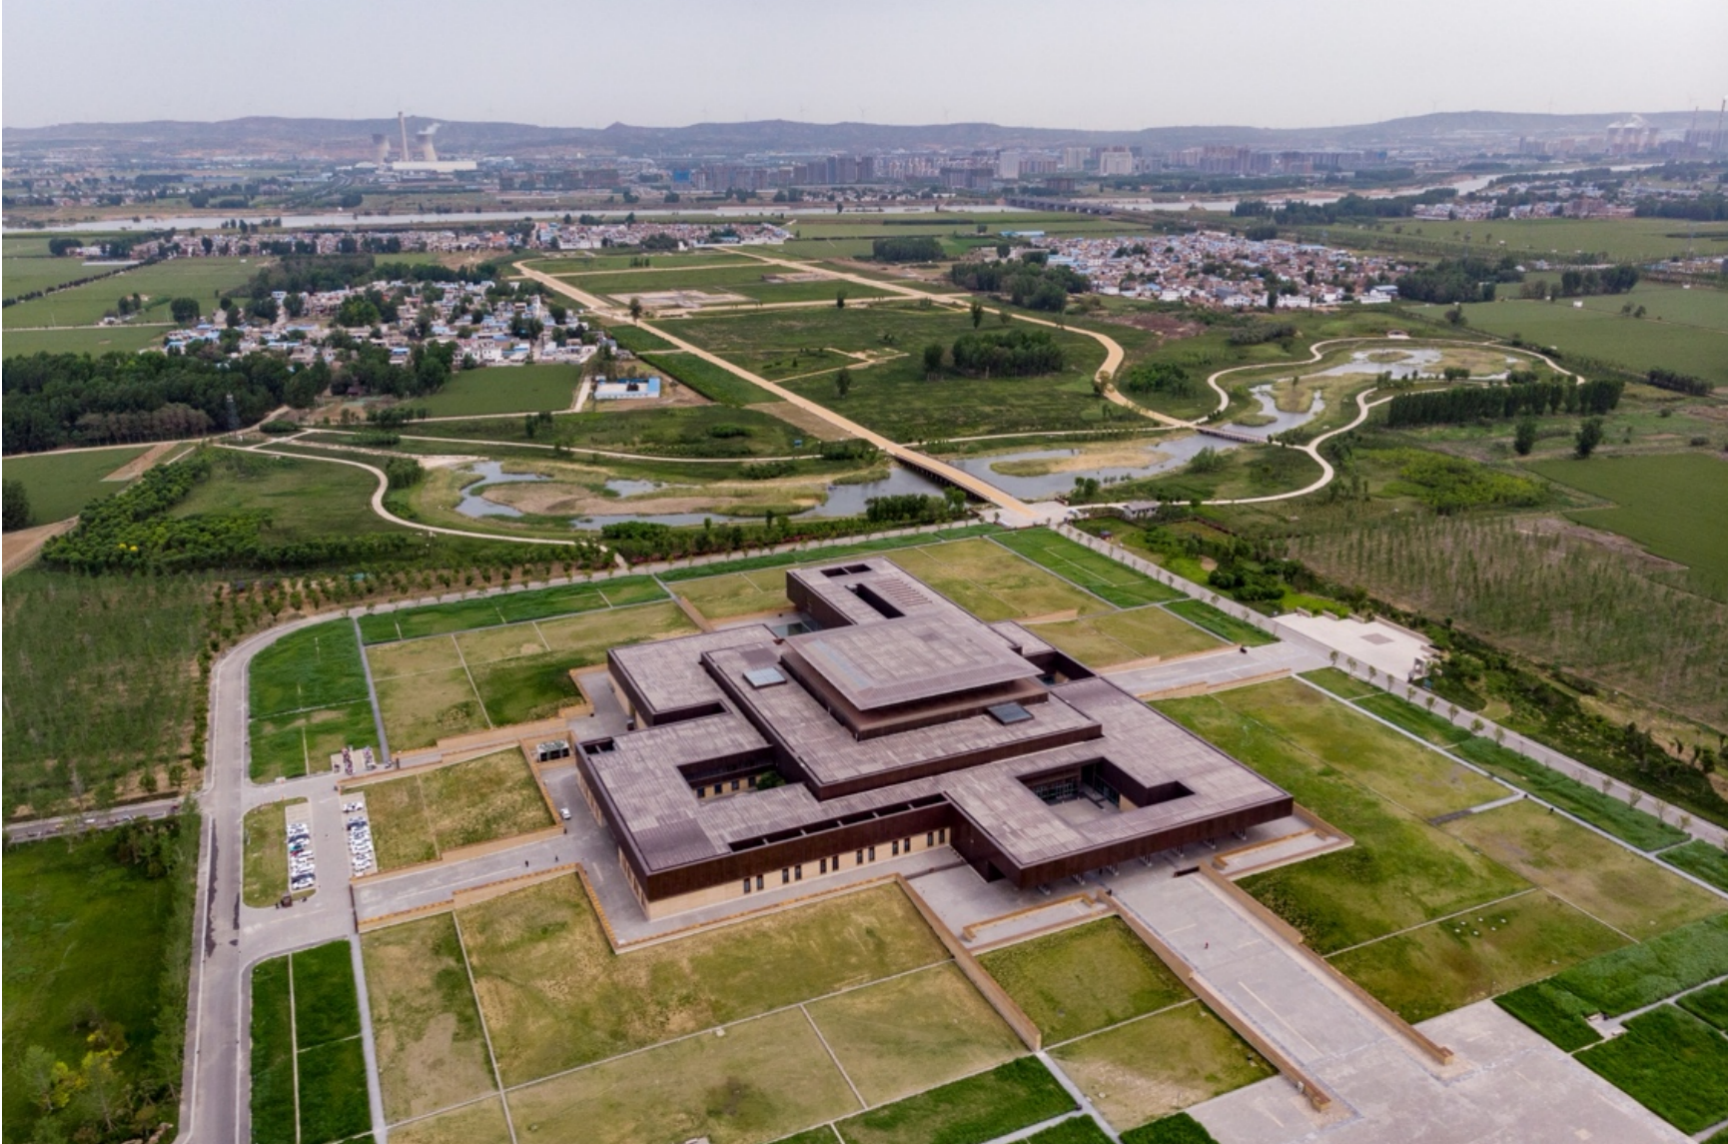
(1174, 453)
(474, 504)
(1280, 419)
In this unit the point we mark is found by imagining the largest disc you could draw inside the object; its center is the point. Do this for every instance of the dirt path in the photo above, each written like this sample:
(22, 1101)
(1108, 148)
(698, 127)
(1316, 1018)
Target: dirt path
(21, 547)
(137, 466)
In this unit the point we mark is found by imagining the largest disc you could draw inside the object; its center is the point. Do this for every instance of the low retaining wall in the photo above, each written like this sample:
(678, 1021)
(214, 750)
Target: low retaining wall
(1006, 1007)
(1187, 690)
(467, 897)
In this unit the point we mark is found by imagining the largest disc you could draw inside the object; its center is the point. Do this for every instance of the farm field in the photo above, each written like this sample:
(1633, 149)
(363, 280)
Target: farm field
(23, 273)
(1401, 872)
(555, 996)
(302, 742)
(1629, 240)
(1622, 889)
(1695, 347)
(1670, 1062)
(200, 278)
(1093, 571)
(60, 484)
(1120, 637)
(549, 387)
(264, 872)
(1160, 1064)
(1079, 980)
(308, 700)
(310, 1059)
(86, 937)
(83, 340)
(1660, 501)
(572, 264)
(994, 585)
(464, 804)
(431, 1051)
(1448, 964)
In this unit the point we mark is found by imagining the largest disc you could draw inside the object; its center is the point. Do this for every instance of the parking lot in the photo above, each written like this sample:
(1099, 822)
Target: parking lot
(362, 859)
(302, 868)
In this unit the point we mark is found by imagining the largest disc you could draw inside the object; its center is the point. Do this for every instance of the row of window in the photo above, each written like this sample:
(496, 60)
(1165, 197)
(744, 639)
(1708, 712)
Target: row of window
(897, 847)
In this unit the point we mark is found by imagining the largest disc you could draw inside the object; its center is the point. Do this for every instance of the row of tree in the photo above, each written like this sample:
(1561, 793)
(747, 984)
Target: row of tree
(907, 248)
(1679, 382)
(1007, 353)
(1499, 402)
(1459, 280)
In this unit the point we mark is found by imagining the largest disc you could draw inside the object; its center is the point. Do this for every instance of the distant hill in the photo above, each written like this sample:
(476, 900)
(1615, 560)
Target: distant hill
(350, 138)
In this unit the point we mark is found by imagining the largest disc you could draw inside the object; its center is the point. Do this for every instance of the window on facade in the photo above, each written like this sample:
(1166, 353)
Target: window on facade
(894, 850)
(859, 861)
(734, 784)
(872, 854)
(746, 885)
(701, 792)
(822, 867)
(930, 839)
(798, 873)
(785, 876)
(719, 788)
(758, 881)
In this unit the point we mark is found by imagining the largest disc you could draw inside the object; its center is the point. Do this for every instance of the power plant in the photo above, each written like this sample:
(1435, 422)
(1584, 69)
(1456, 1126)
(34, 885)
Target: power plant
(428, 162)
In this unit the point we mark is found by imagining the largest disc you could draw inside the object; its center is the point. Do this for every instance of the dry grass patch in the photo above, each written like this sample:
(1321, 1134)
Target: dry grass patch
(488, 645)
(413, 657)
(431, 1051)
(419, 710)
(494, 796)
(481, 1123)
(1081, 979)
(1160, 1064)
(265, 874)
(994, 584)
(401, 832)
(762, 1080)
(1100, 641)
(1626, 890)
(736, 594)
(556, 996)
(593, 632)
(902, 1036)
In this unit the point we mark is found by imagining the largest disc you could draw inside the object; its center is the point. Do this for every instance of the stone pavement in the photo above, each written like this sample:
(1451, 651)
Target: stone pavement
(1218, 668)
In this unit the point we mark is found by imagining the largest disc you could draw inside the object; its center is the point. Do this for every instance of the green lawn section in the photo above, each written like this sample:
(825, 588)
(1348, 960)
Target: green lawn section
(1160, 1064)
(1709, 1004)
(58, 485)
(85, 937)
(23, 274)
(1178, 1129)
(1093, 571)
(1619, 982)
(1637, 344)
(302, 498)
(1074, 1130)
(1449, 964)
(1670, 1062)
(333, 1100)
(1401, 872)
(993, 584)
(635, 339)
(567, 265)
(1701, 860)
(1340, 683)
(1079, 980)
(83, 340)
(272, 1054)
(264, 875)
(1225, 627)
(1119, 637)
(1665, 502)
(825, 555)
(197, 278)
(1424, 725)
(711, 381)
(971, 1111)
(326, 1004)
(317, 666)
(288, 746)
(506, 608)
(545, 386)
(1642, 830)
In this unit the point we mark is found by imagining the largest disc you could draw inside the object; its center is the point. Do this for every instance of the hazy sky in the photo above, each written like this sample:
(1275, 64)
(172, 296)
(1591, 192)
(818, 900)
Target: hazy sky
(1081, 63)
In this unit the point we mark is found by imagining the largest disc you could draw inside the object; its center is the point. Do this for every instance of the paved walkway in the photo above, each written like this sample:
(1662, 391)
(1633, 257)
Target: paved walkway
(1222, 667)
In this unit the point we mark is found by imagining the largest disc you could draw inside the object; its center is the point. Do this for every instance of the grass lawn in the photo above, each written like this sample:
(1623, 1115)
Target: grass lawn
(272, 1054)
(316, 666)
(431, 1051)
(1661, 501)
(303, 498)
(59, 485)
(826, 555)
(992, 584)
(1670, 1062)
(1642, 830)
(1423, 724)
(1340, 683)
(1178, 1129)
(494, 796)
(764, 1078)
(1074, 1130)
(1160, 1064)
(1710, 1004)
(510, 607)
(555, 996)
(1226, 627)
(265, 873)
(481, 1123)
(84, 936)
(200, 278)
(971, 1111)
(1633, 894)
(401, 830)
(25, 273)
(1101, 641)
(737, 594)
(543, 387)
(1079, 980)
(714, 382)
(333, 1100)
(1701, 860)
(904, 1035)
(1093, 571)
(1400, 873)
(1448, 964)
(83, 340)
(418, 710)
(326, 1005)
(302, 743)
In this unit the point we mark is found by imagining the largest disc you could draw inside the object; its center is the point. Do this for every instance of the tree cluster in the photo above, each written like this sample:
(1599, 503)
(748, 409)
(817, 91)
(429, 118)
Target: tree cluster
(1026, 284)
(1679, 382)
(1254, 333)
(1459, 280)
(1159, 377)
(1007, 353)
(907, 248)
(1614, 280)
(1499, 402)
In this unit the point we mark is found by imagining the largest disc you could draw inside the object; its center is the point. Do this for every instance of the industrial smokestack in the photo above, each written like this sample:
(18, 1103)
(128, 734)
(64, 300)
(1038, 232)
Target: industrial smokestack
(402, 126)
(380, 148)
(424, 137)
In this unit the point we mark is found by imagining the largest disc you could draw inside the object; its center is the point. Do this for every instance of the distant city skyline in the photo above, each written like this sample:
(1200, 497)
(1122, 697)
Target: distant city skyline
(1113, 65)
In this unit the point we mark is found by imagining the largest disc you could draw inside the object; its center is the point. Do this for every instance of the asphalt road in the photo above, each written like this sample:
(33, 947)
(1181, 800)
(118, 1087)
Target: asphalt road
(94, 820)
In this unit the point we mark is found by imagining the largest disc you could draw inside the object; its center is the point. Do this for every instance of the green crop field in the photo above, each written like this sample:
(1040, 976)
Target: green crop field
(1622, 240)
(1093, 571)
(711, 381)
(1695, 341)
(22, 274)
(1669, 503)
(1701, 860)
(971, 1111)
(86, 942)
(58, 485)
(1670, 1062)
(572, 265)
(313, 1061)
(1221, 624)
(83, 340)
(1401, 871)
(548, 387)
(1446, 965)
(200, 278)
(554, 995)
(1079, 980)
